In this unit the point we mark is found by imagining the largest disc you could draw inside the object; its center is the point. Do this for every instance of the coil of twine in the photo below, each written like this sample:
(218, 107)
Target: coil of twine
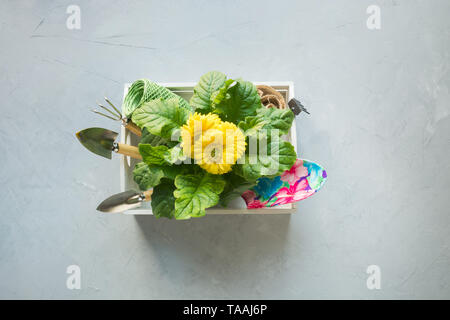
(270, 98)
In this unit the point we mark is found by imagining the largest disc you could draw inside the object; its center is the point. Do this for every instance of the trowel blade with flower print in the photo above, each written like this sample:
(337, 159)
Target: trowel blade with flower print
(301, 181)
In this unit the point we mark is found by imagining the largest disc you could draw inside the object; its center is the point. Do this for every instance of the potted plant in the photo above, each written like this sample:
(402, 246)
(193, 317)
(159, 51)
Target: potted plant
(190, 148)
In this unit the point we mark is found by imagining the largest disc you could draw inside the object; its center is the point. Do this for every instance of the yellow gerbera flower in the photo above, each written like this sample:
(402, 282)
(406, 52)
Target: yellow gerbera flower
(195, 126)
(216, 148)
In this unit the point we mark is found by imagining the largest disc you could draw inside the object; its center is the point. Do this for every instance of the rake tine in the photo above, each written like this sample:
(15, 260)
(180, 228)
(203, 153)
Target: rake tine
(105, 115)
(117, 110)
(105, 108)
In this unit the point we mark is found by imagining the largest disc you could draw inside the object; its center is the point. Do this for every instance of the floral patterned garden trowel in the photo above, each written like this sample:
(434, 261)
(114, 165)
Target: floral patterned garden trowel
(303, 180)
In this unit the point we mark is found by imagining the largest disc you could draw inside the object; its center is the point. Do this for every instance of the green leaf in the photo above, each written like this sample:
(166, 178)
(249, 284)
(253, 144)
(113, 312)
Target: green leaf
(144, 90)
(171, 172)
(175, 155)
(268, 118)
(235, 186)
(148, 138)
(222, 93)
(280, 119)
(195, 193)
(208, 84)
(279, 157)
(252, 125)
(161, 117)
(240, 101)
(153, 155)
(160, 155)
(147, 176)
(163, 200)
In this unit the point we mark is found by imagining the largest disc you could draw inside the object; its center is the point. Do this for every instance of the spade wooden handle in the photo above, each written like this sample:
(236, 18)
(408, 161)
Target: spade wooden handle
(128, 150)
(133, 128)
(148, 195)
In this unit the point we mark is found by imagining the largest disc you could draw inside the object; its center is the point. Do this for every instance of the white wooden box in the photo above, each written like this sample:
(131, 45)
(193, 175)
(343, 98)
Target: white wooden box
(237, 206)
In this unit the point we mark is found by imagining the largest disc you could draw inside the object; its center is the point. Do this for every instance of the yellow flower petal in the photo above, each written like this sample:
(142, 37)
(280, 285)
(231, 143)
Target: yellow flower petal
(215, 145)
(195, 126)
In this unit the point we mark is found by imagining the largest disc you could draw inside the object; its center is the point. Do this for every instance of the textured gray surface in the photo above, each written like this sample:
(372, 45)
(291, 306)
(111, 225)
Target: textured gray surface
(379, 124)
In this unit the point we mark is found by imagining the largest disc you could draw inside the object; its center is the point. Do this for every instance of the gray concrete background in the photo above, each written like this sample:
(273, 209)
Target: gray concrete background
(379, 124)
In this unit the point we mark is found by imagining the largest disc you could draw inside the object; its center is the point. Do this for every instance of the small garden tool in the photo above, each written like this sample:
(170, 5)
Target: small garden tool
(303, 180)
(102, 142)
(124, 201)
(116, 115)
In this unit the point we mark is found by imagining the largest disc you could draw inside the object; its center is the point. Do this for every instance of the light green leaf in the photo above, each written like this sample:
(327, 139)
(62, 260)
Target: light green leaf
(195, 193)
(144, 90)
(279, 157)
(222, 93)
(280, 119)
(147, 176)
(161, 117)
(268, 118)
(235, 186)
(160, 155)
(153, 155)
(252, 125)
(240, 101)
(163, 200)
(175, 155)
(207, 85)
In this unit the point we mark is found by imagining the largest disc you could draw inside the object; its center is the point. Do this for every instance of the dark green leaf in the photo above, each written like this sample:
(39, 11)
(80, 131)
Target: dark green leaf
(240, 101)
(163, 200)
(146, 176)
(148, 138)
(195, 193)
(171, 172)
